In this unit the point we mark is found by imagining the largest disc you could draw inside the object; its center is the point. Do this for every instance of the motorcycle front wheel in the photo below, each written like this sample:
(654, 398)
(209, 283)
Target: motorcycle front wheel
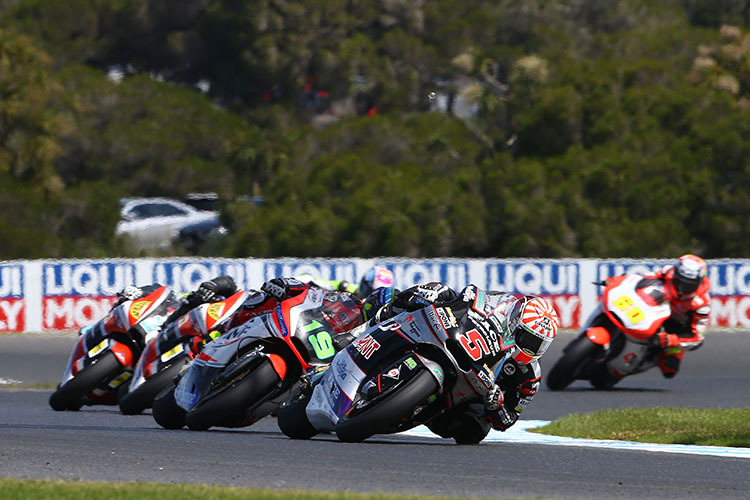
(70, 395)
(134, 402)
(293, 422)
(166, 411)
(384, 412)
(226, 406)
(576, 356)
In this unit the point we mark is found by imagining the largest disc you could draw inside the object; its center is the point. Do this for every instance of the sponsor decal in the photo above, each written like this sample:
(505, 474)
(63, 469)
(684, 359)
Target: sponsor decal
(484, 377)
(393, 373)
(341, 370)
(433, 319)
(410, 363)
(282, 323)
(137, 307)
(215, 310)
(509, 369)
(446, 316)
(366, 346)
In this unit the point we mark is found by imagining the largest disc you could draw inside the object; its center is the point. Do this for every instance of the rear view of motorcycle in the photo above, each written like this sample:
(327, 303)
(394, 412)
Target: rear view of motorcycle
(165, 355)
(618, 340)
(105, 354)
(396, 375)
(247, 373)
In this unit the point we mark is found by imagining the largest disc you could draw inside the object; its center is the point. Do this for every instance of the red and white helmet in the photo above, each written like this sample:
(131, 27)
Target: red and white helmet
(687, 275)
(533, 324)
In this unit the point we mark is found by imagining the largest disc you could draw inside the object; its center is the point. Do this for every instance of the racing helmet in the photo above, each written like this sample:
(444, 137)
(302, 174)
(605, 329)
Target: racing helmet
(379, 297)
(533, 323)
(375, 277)
(688, 275)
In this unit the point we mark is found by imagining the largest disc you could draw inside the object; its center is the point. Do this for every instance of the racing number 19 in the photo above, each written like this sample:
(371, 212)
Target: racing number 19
(320, 341)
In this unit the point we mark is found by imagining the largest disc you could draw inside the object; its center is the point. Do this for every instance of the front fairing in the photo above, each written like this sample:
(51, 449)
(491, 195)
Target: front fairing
(635, 309)
(171, 345)
(379, 345)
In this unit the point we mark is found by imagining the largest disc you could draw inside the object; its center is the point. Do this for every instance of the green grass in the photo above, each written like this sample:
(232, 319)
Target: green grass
(16, 489)
(711, 427)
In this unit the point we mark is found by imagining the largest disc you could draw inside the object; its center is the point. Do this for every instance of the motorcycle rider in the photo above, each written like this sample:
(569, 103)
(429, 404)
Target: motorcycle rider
(375, 277)
(687, 287)
(528, 319)
(209, 291)
(275, 290)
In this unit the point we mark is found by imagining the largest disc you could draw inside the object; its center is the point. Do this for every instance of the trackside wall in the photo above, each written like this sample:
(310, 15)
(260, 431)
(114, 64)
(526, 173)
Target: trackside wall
(54, 295)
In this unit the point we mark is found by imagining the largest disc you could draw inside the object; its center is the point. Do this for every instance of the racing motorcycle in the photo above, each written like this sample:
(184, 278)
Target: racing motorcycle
(245, 374)
(105, 353)
(174, 346)
(618, 338)
(396, 375)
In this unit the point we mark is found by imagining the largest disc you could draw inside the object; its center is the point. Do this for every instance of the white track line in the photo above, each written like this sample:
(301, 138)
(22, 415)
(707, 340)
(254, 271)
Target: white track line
(519, 434)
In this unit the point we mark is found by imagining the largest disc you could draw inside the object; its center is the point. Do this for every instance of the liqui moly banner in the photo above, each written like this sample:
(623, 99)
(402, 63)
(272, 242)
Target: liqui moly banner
(46, 295)
(12, 300)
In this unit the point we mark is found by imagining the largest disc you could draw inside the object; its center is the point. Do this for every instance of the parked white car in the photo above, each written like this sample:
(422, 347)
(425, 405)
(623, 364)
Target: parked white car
(154, 223)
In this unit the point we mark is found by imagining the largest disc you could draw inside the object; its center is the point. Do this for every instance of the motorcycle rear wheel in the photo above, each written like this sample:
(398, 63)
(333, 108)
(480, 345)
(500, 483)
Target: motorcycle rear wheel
(385, 412)
(226, 407)
(578, 354)
(134, 402)
(166, 411)
(70, 396)
(293, 422)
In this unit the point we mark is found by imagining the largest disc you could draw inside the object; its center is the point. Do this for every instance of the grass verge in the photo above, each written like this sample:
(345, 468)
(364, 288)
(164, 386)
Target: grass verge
(16, 489)
(708, 427)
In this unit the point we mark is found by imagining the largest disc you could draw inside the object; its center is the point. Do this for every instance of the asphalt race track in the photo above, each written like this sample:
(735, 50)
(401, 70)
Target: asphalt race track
(100, 444)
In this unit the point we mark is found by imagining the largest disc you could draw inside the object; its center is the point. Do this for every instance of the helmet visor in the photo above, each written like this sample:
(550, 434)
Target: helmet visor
(529, 342)
(685, 286)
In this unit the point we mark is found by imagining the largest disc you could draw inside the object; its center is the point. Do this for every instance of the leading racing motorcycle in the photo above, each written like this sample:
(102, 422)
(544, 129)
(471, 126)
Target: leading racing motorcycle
(174, 346)
(105, 353)
(618, 339)
(397, 374)
(246, 374)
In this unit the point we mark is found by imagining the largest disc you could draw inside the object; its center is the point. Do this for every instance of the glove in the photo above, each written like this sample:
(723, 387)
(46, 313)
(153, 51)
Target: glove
(503, 418)
(276, 288)
(211, 290)
(221, 285)
(279, 288)
(664, 339)
(130, 292)
(494, 398)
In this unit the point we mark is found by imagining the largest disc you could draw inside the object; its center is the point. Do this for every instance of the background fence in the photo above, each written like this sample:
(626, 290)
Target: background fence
(53, 295)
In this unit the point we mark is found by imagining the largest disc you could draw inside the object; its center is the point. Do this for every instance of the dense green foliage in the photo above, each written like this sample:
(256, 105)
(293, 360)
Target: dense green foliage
(477, 128)
(706, 426)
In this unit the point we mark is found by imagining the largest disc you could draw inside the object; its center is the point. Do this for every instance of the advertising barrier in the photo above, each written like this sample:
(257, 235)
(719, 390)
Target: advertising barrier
(56, 295)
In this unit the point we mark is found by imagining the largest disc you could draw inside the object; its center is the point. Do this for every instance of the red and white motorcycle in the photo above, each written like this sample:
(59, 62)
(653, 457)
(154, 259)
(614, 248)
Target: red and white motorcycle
(618, 338)
(105, 353)
(174, 347)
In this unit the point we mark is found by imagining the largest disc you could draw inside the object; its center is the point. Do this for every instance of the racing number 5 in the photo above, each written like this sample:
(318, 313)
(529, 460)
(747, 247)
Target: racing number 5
(473, 344)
